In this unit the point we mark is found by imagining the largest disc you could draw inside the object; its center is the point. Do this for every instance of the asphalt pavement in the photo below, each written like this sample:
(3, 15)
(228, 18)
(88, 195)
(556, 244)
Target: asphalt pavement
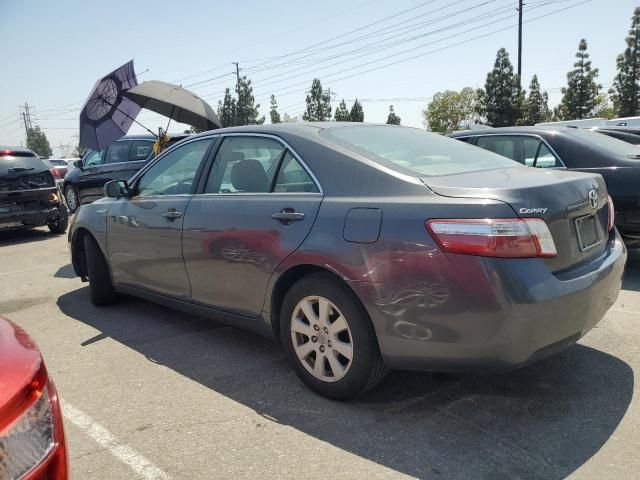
(152, 393)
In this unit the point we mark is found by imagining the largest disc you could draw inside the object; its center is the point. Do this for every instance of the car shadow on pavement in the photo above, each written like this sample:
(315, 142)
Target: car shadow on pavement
(631, 280)
(543, 421)
(16, 237)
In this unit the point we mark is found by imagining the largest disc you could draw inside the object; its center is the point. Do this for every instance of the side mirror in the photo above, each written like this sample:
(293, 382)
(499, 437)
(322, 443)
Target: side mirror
(117, 189)
(78, 164)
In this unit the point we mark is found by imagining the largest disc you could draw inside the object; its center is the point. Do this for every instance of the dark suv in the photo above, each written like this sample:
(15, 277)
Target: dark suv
(120, 160)
(29, 196)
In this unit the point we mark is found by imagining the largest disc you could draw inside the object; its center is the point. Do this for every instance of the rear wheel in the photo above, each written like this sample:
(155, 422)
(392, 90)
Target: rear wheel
(61, 224)
(71, 197)
(329, 338)
(100, 286)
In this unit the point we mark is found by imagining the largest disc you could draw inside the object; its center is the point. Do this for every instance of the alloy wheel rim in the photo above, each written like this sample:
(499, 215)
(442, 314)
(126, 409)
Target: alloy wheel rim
(321, 338)
(71, 199)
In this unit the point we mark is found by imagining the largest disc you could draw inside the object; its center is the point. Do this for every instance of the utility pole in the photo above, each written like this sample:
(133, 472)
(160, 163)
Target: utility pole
(239, 106)
(26, 118)
(520, 5)
(26, 126)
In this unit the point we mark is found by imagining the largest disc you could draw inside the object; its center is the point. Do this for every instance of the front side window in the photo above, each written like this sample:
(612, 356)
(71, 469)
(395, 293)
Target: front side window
(244, 165)
(414, 151)
(93, 158)
(174, 173)
(505, 146)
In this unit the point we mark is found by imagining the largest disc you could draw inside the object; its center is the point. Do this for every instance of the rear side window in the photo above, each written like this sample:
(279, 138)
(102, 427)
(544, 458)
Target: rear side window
(414, 151)
(117, 152)
(292, 177)
(140, 150)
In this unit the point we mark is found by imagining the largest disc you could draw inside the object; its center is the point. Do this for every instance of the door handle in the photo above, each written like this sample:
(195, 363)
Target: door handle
(172, 214)
(288, 216)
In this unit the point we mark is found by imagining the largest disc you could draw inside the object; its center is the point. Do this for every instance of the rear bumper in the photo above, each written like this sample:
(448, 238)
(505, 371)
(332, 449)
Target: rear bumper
(498, 314)
(28, 218)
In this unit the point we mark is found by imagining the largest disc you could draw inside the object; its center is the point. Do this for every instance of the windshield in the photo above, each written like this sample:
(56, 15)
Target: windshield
(605, 142)
(415, 151)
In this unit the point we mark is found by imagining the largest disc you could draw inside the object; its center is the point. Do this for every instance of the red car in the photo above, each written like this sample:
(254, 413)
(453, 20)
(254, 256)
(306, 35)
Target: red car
(32, 444)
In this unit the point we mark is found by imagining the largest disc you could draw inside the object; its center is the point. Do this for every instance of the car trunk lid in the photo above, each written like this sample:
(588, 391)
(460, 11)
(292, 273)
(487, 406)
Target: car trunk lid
(560, 198)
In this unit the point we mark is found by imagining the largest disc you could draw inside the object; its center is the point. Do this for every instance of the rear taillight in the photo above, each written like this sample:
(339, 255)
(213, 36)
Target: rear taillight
(488, 237)
(612, 214)
(55, 173)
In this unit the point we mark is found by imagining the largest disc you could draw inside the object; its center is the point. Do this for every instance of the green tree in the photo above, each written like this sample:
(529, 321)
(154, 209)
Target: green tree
(392, 118)
(227, 110)
(580, 96)
(502, 99)
(37, 141)
(78, 152)
(536, 106)
(286, 118)
(247, 111)
(318, 104)
(356, 114)
(449, 109)
(275, 116)
(342, 113)
(625, 93)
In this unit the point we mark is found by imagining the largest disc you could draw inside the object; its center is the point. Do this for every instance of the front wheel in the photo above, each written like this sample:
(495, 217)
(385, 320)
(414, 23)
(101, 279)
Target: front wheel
(71, 197)
(329, 338)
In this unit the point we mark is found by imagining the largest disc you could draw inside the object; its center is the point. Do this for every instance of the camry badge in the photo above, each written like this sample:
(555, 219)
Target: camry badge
(540, 211)
(593, 199)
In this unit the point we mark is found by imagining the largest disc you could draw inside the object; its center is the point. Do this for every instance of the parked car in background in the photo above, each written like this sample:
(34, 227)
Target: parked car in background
(626, 134)
(32, 442)
(60, 164)
(120, 160)
(362, 247)
(575, 149)
(57, 176)
(29, 196)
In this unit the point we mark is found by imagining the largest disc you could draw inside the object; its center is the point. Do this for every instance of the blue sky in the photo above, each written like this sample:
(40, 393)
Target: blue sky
(54, 51)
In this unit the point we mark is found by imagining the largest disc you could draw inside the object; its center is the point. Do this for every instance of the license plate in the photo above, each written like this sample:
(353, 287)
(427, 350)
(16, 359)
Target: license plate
(5, 208)
(587, 229)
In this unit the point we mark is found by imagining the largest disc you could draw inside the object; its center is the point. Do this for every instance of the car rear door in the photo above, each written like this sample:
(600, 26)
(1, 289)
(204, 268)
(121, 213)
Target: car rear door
(256, 206)
(144, 232)
(127, 162)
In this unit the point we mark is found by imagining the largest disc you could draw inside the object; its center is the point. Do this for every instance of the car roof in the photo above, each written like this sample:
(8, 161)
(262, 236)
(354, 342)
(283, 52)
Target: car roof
(302, 129)
(511, 130)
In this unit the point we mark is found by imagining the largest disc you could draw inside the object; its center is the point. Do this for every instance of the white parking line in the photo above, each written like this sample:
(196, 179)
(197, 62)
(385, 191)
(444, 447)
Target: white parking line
(103, 437)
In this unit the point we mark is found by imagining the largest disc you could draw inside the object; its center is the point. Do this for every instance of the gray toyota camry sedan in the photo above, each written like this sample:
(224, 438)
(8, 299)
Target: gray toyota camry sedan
(361, 247)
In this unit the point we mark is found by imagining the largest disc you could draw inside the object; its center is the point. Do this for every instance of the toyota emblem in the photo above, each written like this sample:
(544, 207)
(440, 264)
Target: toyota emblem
(593, 199)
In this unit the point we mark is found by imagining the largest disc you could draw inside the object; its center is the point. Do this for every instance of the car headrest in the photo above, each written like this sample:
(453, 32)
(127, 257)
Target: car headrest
(236, 156)
(249, 176)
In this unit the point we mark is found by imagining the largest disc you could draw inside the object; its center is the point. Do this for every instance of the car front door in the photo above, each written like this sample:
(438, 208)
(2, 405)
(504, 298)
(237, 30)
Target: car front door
(144, 232)
(256, 206)
(86, 179)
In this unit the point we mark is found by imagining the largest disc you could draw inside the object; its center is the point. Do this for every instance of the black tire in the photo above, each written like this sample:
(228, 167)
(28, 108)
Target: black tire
(71, 192)
(61, 224)
(367, 368)
(100, 286)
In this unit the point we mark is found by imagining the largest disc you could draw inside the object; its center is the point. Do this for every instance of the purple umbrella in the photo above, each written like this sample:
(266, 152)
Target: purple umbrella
(107, 115)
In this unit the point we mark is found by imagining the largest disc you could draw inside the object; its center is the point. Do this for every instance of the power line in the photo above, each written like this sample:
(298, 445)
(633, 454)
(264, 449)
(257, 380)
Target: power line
(457, 43)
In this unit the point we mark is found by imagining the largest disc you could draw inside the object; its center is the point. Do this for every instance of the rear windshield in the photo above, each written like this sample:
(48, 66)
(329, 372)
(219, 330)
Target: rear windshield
(611, 145)
(415, 151)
